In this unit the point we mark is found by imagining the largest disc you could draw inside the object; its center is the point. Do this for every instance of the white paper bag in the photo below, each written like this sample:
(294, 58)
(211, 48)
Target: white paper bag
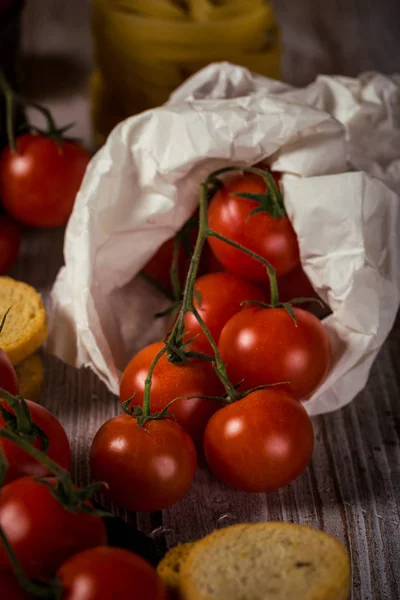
(143, 185)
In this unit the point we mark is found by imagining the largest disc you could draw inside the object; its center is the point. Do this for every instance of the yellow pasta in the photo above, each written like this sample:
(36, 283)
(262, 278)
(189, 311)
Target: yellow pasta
(158, 9)
(204, 10)
(144, 49)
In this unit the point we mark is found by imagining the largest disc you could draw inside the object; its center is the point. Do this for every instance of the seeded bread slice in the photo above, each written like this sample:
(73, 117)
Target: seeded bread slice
(30, 377)
(25, 329)
(170, 566)
(266, 561)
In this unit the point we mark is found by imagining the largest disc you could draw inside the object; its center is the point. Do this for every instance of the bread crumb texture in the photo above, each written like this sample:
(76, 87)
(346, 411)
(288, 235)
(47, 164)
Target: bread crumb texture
(30, 375)
(170, 567)
(25, 329)
(266, 561)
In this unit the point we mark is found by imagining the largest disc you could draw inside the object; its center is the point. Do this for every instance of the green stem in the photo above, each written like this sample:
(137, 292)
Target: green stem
(10, 100)
(147, 384)
(187, 300)
(50, 590)
(270, 269)
(219, 363)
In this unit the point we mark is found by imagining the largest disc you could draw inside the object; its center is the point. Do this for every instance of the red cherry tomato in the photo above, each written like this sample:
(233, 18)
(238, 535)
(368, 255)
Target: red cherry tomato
(264, 346)
(8, 376)
(221, 297)
(273, 239)
(42, 533)
(260, 443)
(110, 573)
(193, 379)
(19, 462)
(10, 588)
(147, 468)
(10, 239)
(39, 182)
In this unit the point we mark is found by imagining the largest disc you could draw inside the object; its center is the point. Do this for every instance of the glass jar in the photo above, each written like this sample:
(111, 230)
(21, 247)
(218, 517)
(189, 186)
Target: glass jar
(144, 49)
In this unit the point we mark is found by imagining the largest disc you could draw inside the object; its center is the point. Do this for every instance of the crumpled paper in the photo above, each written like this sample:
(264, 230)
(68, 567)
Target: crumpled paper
(338, 143)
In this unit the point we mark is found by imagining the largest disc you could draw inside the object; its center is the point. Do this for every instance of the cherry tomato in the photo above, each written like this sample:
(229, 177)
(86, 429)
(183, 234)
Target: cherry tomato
(273, 239)
(39, 182)
(10, 240)
(42, 533)
(264, 346)
(8, 376)
(260, 443)
(19, 462)
(170, 381)
(110, 573)
(221, 297)
(10, 588)
(147, 468)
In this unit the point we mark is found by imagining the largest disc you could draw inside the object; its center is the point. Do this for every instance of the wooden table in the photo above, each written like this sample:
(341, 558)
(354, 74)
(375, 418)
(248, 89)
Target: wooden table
(352, 487)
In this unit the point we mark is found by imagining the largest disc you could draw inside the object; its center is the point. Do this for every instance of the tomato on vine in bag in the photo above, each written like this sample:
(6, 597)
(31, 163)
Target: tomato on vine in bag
(250, 212)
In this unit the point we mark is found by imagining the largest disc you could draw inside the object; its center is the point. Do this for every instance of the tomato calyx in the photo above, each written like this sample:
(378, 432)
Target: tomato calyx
(270, 202)
(140, 414)
(12, 98)
(20, 421)
(288, 306)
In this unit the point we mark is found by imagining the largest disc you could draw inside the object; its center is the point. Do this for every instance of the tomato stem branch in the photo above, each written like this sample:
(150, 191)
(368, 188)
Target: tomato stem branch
(219, 363)
(270, 269)
(175, 345)
(12, 98)
(147, 384)
(177, 333)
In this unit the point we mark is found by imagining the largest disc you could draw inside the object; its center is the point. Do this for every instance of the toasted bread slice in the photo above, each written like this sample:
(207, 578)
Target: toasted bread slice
(170, 567)
(30, 375)
(266, 561)
(25, 328)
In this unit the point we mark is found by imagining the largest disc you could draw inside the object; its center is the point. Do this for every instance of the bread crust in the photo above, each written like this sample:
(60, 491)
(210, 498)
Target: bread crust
(30, 375)
(196, 581)
(25, 329)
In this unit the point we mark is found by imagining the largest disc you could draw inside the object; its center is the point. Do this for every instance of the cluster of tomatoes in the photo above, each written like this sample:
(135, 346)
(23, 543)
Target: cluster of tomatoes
(254, 430)
(57, 540)
(40, 175)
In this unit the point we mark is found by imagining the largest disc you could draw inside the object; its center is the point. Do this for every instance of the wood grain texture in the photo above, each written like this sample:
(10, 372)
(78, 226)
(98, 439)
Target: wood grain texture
(352, 487)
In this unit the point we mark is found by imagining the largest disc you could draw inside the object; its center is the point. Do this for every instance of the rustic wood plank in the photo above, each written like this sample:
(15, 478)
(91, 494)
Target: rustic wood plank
(352, 487)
